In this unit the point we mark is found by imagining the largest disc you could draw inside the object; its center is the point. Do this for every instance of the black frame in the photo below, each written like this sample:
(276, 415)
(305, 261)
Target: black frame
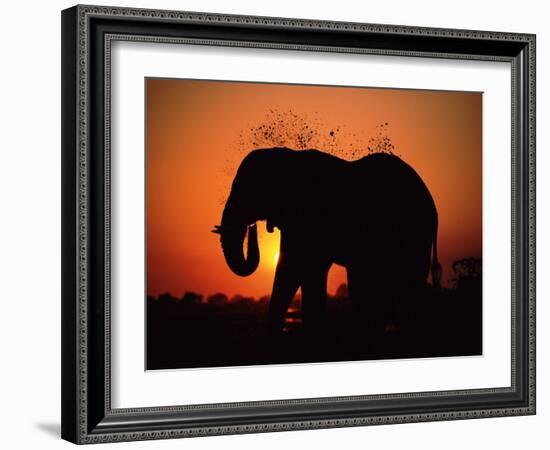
(87, 416)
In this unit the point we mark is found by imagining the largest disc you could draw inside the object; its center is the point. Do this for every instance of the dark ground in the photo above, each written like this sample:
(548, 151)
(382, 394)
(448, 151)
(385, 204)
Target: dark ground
(191, 333)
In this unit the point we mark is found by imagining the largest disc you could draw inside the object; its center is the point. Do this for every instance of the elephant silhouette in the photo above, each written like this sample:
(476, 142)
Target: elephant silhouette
(374, 216)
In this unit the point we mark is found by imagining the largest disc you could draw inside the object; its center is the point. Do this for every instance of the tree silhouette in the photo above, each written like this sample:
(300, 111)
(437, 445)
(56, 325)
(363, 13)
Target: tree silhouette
(191, 298)
(167, 298)
(467, 271)
(217, 299)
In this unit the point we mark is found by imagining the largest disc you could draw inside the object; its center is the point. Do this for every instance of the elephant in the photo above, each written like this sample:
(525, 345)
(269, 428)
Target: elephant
(374, 216)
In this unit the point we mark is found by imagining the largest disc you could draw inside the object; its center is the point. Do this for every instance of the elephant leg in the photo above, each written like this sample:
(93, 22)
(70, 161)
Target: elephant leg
(368, 295)
(285, 285)
(314, 298)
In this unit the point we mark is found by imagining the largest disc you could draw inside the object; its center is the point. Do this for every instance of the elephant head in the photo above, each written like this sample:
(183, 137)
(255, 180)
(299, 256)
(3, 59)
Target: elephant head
(246, 204)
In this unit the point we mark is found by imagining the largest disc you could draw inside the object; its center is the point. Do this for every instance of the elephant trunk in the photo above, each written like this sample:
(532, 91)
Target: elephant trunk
(232, 240)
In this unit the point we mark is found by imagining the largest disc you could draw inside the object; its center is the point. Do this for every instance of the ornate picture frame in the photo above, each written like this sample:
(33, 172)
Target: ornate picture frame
(88, 415)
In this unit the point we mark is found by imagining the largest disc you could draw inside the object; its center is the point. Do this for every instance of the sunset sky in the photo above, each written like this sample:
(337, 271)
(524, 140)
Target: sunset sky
(197, 132)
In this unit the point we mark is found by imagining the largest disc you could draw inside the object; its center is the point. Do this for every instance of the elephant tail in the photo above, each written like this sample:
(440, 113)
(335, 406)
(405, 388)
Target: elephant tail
(436, 267)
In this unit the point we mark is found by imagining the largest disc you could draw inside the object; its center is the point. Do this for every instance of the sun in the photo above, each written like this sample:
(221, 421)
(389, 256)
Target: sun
(269, 247)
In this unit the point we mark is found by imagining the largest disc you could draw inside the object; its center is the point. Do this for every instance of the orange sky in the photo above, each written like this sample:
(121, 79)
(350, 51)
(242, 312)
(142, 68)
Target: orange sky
(198, 131)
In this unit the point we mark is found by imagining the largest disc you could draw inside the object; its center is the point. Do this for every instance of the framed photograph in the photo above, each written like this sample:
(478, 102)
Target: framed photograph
(281, 224)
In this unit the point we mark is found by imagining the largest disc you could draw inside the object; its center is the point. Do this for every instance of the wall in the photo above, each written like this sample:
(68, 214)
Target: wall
(30, 224)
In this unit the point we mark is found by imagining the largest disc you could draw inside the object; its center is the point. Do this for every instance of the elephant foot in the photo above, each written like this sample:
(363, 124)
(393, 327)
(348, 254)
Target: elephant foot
(274, 328)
